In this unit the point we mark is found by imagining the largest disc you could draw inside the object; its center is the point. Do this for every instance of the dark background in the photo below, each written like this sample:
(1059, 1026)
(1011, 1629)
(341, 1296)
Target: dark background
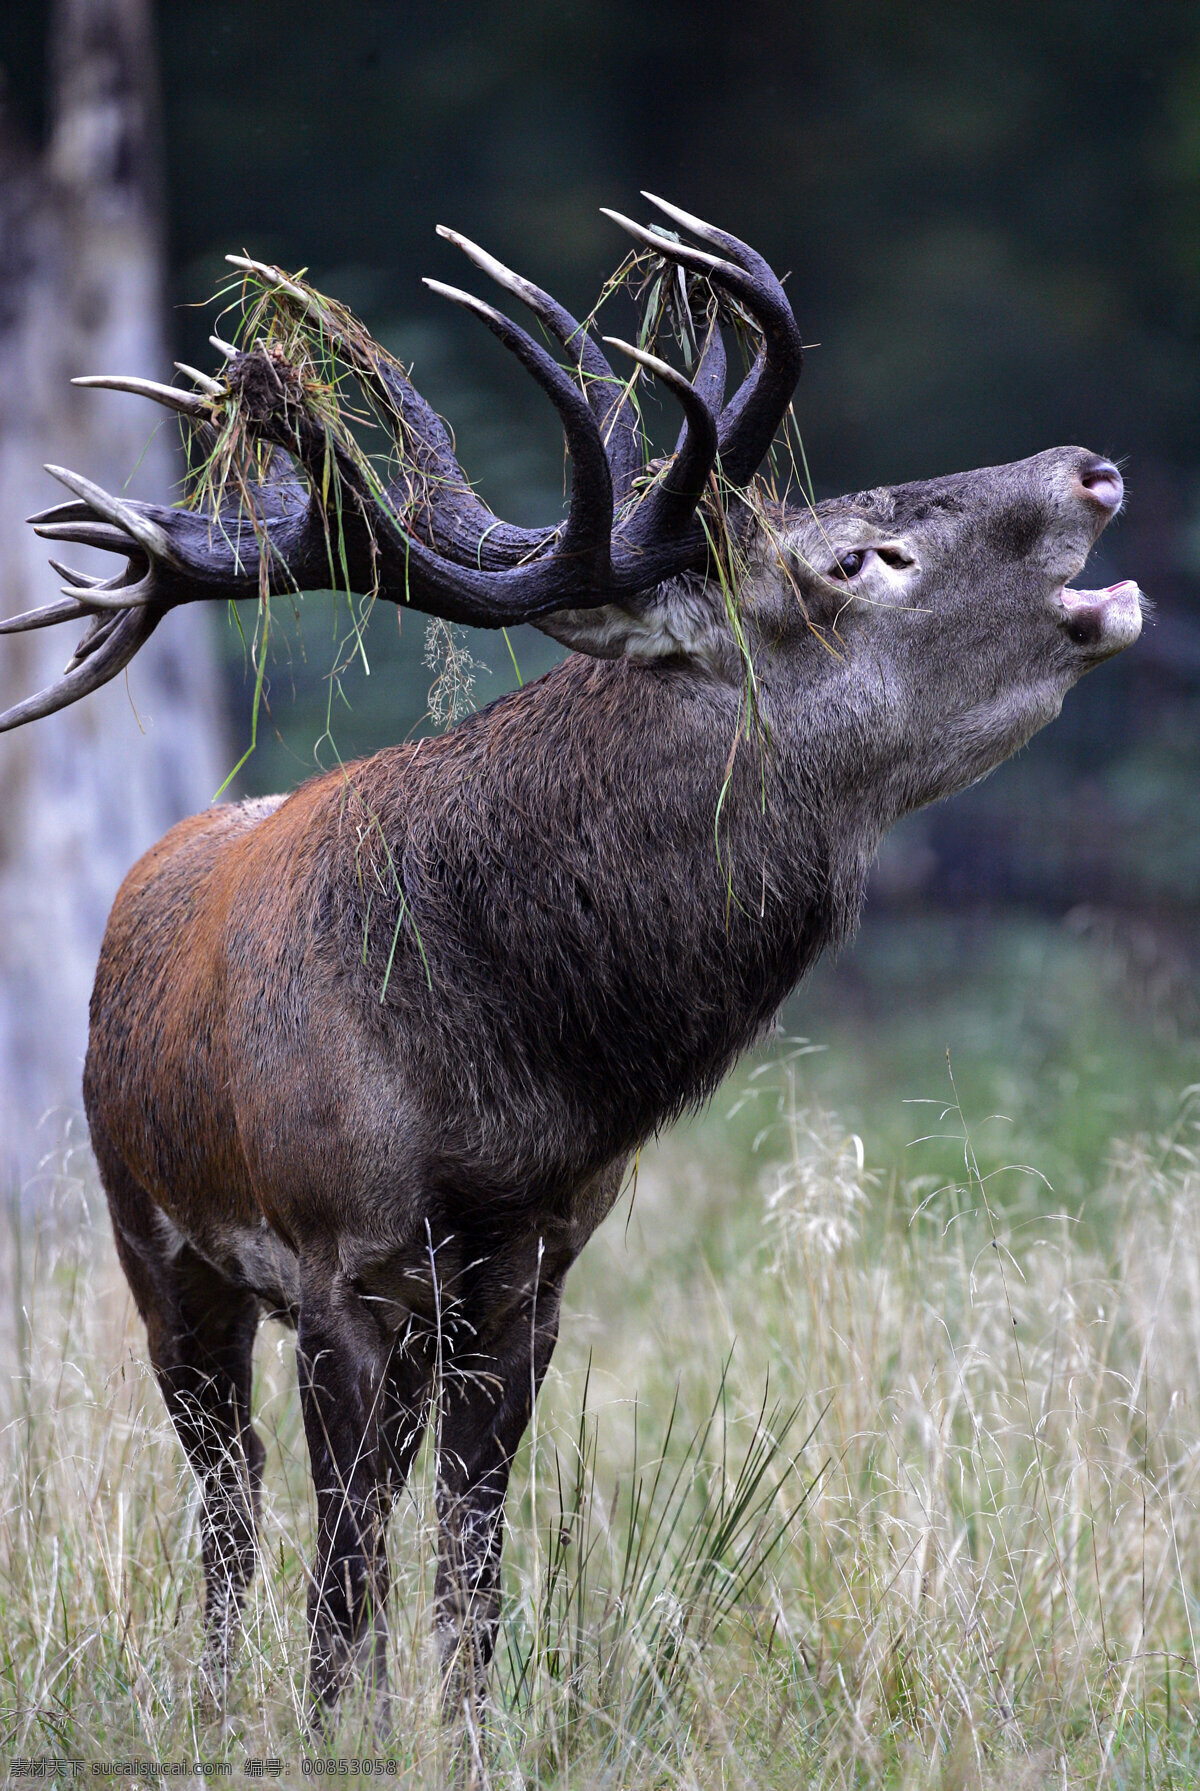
(988, 218)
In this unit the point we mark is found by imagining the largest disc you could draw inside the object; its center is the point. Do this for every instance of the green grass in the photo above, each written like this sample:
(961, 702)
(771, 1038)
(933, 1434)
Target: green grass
(861, 1461)
(1075, 1031)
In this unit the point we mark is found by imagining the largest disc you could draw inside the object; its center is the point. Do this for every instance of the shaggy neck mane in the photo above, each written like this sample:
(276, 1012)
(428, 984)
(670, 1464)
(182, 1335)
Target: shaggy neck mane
(563, 873)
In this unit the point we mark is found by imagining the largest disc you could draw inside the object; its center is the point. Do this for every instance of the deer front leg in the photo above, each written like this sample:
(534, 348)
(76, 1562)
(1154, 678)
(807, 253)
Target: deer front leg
(485, 1401)
(363, 1398)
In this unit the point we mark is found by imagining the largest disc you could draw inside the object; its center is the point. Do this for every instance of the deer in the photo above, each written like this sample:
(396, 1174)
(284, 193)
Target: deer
(375, 1057)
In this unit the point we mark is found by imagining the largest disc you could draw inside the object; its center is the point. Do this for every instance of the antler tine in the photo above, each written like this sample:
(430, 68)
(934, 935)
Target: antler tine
(672, 502)
(274, 277)
(76, 522)
(81, 580)
(709, 378)
(67, 609)
(213, 387)
(101, 629)
(605, 392)
(72, 512)
(148, 536)
(591, 513)
(731, 248)
(186, 402)
(88, 534)
(755, 411)
(749, 421)
(697, 261)
(100, 594)
(130, 632)
(117, 596)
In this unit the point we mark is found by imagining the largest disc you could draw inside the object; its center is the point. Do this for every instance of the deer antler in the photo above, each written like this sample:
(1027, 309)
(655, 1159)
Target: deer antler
(426, 539)
(749, 421)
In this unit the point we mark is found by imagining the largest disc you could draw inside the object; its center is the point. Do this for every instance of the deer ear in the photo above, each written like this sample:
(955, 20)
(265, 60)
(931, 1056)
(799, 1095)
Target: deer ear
(679, 620)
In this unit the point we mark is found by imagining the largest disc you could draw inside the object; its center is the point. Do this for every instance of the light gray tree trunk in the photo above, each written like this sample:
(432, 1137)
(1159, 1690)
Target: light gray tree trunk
(84, 792)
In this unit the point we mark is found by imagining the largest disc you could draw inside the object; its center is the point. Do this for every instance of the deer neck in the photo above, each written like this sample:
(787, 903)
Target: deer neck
(601, 888)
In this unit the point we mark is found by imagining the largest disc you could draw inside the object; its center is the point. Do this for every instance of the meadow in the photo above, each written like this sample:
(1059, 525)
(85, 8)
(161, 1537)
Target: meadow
(870, 1454)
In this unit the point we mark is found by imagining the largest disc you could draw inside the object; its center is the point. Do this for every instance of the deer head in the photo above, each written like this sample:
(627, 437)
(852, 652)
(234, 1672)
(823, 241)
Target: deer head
(926, 631)
(921, 631)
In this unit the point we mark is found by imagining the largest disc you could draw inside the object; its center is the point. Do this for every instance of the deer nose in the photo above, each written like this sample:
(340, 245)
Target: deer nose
(1100, 482)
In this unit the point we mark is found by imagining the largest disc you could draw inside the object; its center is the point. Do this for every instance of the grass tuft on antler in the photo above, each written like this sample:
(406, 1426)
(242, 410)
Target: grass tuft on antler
(293, 346)
(295, 341)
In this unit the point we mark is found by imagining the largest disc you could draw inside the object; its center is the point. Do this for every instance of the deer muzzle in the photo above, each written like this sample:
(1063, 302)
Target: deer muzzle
(1102, 622)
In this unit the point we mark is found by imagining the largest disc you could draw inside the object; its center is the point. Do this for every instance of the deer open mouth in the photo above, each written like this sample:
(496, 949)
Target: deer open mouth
(1102, 622)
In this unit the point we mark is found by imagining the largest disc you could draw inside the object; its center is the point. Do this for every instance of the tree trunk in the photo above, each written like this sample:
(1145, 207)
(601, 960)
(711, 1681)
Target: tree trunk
(82, 793)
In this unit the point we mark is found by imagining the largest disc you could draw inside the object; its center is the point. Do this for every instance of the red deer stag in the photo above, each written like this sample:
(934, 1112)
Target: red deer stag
(375, 1057)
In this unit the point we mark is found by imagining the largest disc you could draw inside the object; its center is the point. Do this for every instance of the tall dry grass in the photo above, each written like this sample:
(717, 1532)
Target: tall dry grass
(838, 1480)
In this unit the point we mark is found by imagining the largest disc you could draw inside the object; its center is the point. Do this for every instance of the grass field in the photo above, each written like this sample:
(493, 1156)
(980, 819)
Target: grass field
(862, 1461)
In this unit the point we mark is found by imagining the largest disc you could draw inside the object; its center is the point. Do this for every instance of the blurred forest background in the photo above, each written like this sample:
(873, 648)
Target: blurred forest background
(989, 222)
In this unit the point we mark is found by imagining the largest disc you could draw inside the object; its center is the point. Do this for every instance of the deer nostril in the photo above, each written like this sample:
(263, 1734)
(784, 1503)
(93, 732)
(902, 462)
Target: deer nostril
(1102, 483)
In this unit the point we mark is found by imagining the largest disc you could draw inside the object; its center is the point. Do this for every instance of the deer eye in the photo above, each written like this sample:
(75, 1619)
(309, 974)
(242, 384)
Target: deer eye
(849, 565)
